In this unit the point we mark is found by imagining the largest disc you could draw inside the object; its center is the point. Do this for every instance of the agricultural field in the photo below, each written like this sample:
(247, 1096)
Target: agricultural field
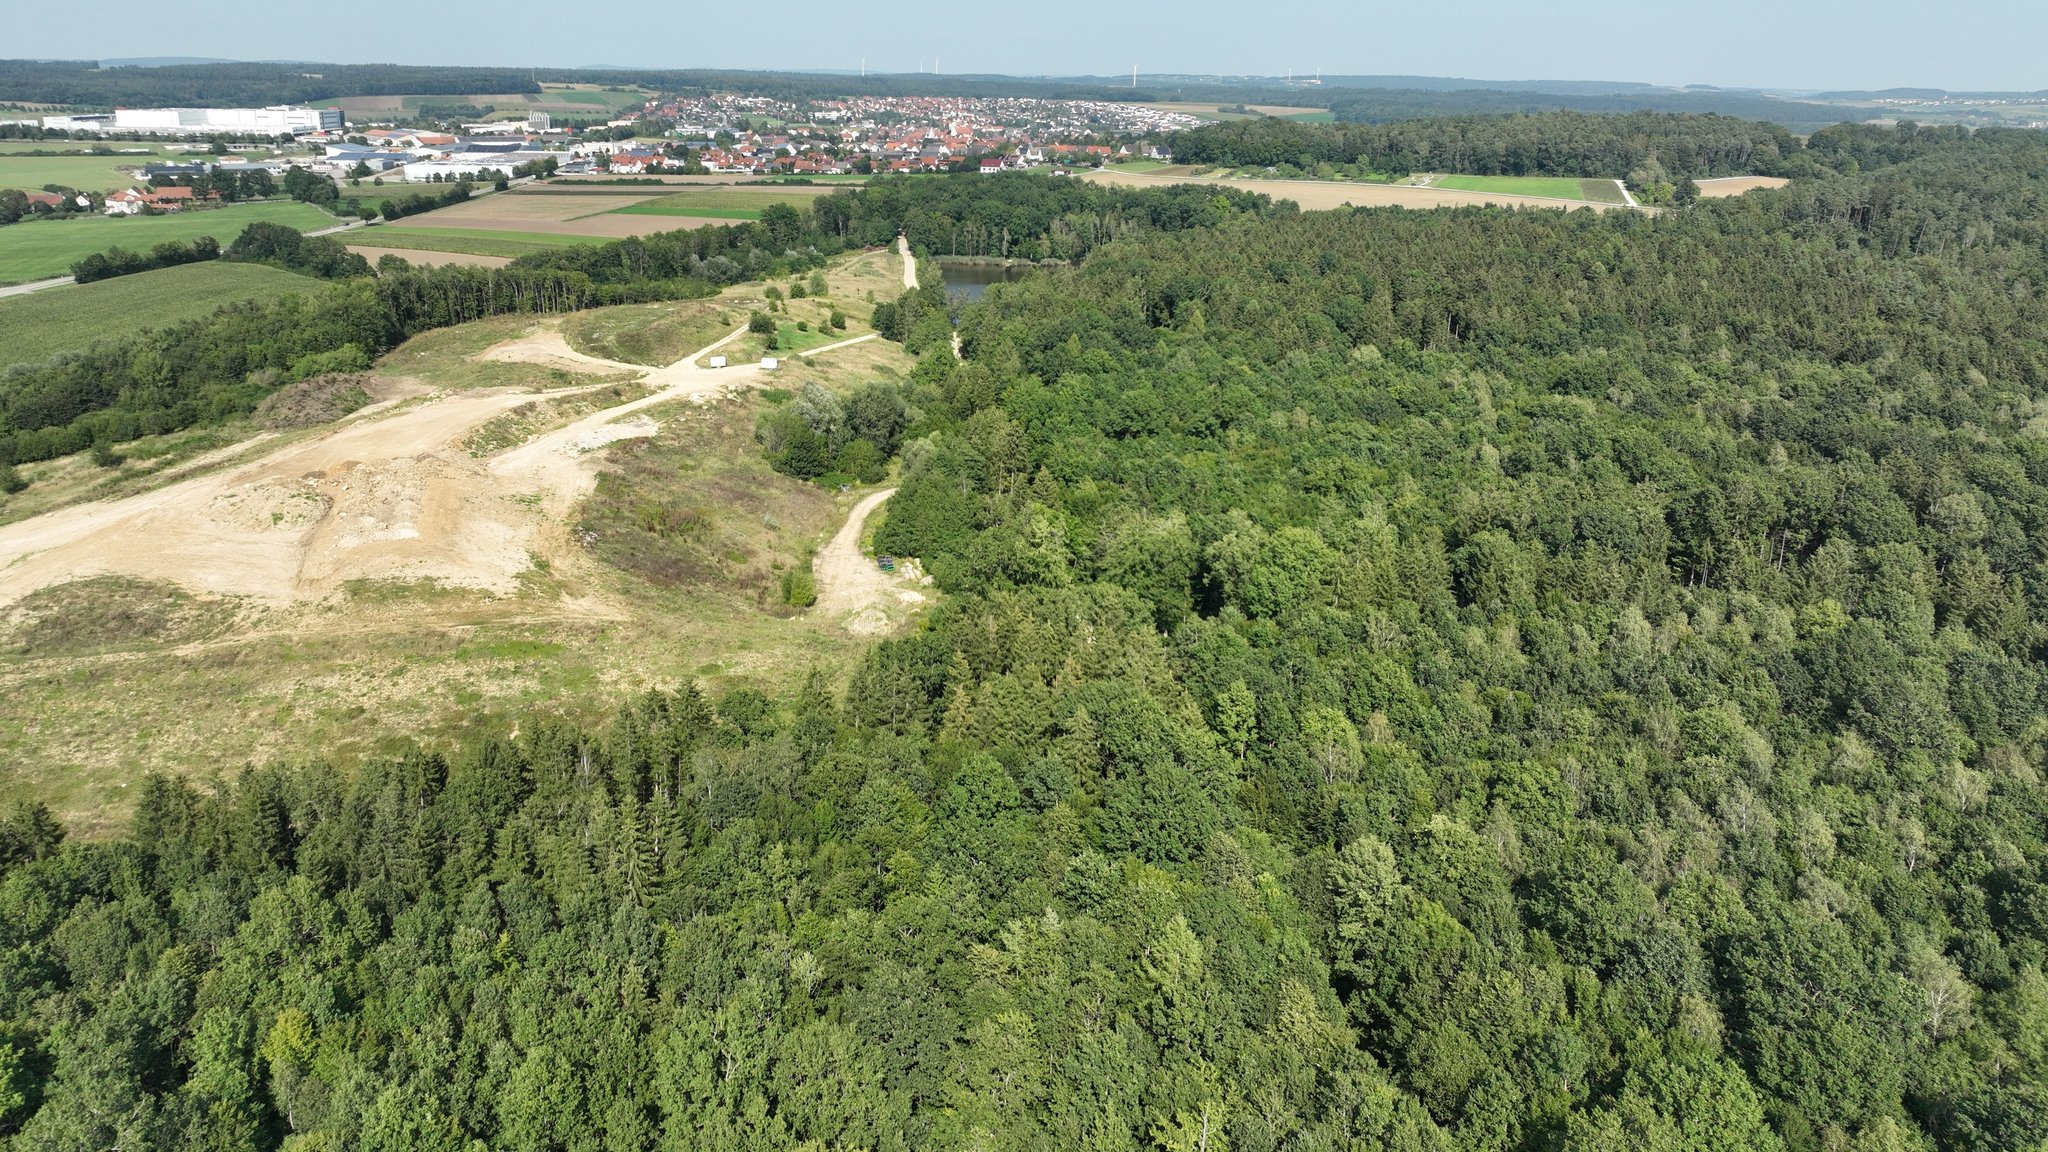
(1553, 187)
(85, 173)
(36, 249)
(1737, 185)
(38, 326)
(728, 202)
(1325, 194)
(546, 211)
(468, 241)
(429, 258)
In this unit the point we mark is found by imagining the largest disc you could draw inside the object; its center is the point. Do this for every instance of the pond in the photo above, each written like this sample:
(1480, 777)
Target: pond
(965, 283)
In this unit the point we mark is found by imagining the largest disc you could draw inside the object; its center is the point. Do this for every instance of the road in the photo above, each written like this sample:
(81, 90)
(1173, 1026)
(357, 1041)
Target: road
(35, 286)
(852, 591)
(909, 263)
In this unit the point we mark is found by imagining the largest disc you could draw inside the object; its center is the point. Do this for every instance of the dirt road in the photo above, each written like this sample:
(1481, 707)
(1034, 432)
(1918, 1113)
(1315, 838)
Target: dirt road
(391, 494)
(909, 263)
(853, 592)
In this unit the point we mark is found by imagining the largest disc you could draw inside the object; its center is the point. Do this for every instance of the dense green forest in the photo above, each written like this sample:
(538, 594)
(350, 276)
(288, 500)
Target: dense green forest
(1385, 105)
(1539, 144)
(1475, 680)
(85, 83)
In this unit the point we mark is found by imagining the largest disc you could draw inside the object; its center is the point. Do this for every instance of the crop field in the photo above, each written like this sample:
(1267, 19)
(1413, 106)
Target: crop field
(550, 212)
(40, 325)
(1315, 195)
(428, 258)
(732, 202)
(1554, 187)
(35, 249)
(471, 241)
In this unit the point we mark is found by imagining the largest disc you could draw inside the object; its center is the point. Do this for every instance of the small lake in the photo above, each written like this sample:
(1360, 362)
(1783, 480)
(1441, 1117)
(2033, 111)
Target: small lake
(965, 283)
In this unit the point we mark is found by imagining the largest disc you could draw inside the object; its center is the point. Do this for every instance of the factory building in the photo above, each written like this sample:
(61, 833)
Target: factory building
(277, 121)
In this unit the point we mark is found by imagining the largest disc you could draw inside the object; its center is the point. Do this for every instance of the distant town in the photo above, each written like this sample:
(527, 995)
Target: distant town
(718, 133)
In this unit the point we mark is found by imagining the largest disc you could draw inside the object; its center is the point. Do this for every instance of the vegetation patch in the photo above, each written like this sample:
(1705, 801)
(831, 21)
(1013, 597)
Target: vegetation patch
(104, 613)
(696, 505)
(656, 335)
(529, 420)
(308, 403)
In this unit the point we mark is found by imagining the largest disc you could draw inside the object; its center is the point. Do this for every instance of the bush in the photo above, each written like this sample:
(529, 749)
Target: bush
(761, 324)
(799, 587)
(803, 325)
(838, 320)
(11, 479)
(104, 456)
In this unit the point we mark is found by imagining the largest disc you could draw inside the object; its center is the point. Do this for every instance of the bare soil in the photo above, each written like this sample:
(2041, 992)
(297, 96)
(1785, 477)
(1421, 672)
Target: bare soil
(1737, 185)
(1325, 194)
(853, 591)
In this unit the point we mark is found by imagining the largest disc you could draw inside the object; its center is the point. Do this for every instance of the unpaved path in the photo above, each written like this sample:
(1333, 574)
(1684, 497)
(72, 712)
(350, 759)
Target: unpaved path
(852, 591)
(36, 286)
(909, 263)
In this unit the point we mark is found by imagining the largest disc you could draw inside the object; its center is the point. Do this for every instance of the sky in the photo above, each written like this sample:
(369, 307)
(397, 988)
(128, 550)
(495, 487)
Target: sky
(1797, 44)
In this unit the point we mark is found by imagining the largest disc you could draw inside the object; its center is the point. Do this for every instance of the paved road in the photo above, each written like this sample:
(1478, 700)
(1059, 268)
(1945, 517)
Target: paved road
(34, 286)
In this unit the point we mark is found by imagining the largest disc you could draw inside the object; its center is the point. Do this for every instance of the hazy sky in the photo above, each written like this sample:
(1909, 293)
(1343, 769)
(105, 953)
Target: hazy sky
(1980, 44)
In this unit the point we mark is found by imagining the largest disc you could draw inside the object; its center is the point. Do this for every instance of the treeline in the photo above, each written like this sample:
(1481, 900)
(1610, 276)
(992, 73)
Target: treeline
(1020, 215)
(281, 246)
(1682, 145)
(121, 262)
(84, 82)
(1391, 102)
(412, 204)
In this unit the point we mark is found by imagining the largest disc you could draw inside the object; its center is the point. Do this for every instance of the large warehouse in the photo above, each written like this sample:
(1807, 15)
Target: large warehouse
(205, 121)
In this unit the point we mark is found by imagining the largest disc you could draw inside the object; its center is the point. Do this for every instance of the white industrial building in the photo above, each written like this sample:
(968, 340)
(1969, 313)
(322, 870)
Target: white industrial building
(280, 120)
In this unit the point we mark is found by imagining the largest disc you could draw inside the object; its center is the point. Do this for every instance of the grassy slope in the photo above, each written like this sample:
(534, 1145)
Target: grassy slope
(38, 326)
(35, 249)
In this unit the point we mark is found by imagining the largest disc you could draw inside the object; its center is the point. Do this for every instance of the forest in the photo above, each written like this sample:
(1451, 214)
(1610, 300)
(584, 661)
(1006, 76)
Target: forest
(1478, 680)
(85, 83)
(1560, 143)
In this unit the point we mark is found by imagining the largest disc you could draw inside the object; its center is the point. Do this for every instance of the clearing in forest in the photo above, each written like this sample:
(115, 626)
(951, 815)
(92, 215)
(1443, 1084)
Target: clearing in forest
(511, 525)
